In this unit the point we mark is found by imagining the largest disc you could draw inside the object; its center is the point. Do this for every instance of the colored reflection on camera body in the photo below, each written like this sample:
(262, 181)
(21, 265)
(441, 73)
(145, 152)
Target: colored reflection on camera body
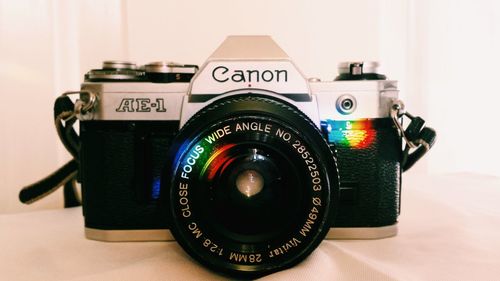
(357, 134)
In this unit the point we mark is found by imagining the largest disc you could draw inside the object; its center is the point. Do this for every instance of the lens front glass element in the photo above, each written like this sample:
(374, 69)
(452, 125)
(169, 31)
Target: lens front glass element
(249, 182)
(250, 191)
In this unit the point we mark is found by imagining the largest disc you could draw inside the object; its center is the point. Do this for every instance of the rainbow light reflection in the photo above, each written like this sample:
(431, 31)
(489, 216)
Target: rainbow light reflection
(155, 189)
(354, 133)
(219, 160)
(213, 158)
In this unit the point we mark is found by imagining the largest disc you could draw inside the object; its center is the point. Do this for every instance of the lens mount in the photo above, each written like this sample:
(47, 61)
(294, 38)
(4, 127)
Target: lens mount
(253, 186)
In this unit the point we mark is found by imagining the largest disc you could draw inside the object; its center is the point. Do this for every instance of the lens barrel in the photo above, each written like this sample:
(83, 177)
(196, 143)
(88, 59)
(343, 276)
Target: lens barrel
(253, 185)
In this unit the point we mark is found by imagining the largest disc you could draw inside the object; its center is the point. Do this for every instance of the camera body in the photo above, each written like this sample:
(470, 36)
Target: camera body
(140, 112)
(368, 145)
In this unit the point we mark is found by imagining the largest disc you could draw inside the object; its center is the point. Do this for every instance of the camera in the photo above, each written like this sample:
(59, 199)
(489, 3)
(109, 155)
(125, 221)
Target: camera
(244, 162)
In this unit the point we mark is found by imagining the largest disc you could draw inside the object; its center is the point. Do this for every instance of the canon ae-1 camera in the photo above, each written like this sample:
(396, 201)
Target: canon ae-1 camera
(247, 164)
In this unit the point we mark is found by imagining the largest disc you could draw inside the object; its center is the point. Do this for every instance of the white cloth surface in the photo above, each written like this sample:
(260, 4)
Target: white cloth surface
(449, 229)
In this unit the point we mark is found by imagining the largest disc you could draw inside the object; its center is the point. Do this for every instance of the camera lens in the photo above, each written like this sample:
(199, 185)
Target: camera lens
(346, 104)
(253, 186)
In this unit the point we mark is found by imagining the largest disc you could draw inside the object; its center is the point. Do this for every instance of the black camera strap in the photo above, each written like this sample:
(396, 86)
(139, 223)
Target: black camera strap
(418, 138)
(62, 176)
(64, 117)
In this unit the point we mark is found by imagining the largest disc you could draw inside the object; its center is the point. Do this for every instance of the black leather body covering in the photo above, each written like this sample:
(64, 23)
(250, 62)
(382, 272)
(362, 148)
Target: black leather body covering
(370, 179)
(121, 164)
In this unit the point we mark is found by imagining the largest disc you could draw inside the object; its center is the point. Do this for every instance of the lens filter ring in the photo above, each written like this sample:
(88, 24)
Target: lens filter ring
(250, 193)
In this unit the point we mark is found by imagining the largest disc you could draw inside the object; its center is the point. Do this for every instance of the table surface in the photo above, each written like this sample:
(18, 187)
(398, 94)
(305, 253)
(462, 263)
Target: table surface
(449, 229)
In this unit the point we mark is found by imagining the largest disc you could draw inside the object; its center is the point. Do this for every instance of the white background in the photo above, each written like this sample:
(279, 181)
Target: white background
(443, 52)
